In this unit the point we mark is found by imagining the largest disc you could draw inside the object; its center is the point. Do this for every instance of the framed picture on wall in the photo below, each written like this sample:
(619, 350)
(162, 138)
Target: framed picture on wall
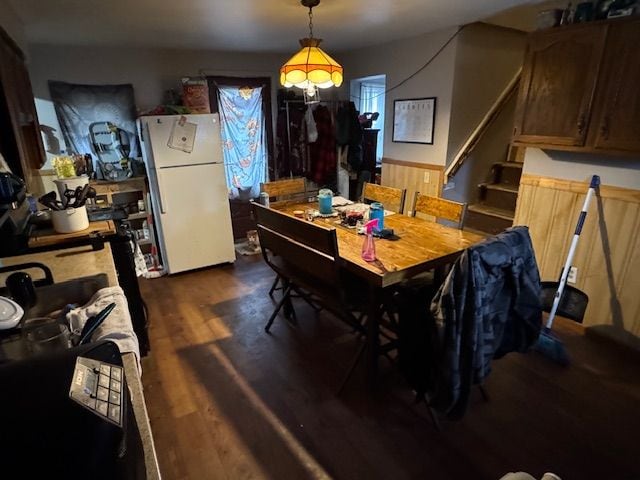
(413, 120)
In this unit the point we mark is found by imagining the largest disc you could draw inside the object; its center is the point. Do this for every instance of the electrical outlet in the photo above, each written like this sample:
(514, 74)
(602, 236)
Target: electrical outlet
(427, 177)
(573, 275)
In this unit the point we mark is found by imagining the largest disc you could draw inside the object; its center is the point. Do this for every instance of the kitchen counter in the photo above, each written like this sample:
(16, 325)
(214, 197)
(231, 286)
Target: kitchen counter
(76, 262)
(47, 237)
(69, 263)
(142, 417)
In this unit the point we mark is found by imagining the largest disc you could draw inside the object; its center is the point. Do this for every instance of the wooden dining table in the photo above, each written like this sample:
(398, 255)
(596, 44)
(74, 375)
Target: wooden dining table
(422, 246)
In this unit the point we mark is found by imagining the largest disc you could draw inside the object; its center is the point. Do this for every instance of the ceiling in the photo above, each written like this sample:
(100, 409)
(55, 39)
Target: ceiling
(242, 25)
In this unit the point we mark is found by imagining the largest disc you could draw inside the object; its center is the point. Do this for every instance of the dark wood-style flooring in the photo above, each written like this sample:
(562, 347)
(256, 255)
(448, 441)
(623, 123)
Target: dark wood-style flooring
(227, 401)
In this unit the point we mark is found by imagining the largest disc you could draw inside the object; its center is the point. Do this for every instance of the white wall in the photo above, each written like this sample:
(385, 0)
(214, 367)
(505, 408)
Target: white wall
(487, 59)
(150, 71)
(615, 171)
(12, 24)
(398, 60)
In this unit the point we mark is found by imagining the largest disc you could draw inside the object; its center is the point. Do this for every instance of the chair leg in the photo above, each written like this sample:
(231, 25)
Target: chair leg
(432, 413)
(280, 304)
(434, 418)
(289, 311)
(309, 300)
(352, 367)
(274, 286)
(483, 392)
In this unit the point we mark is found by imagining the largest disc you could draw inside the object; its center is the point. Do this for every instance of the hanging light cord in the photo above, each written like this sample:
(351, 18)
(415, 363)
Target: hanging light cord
(433, 57)
(310, 22)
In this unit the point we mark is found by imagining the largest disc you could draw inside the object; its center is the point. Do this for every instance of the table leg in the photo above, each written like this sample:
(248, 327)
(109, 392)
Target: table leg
(373, 335)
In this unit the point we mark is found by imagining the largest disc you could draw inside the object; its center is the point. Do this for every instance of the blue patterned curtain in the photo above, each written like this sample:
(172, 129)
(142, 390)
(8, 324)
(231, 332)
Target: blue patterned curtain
(243, 139)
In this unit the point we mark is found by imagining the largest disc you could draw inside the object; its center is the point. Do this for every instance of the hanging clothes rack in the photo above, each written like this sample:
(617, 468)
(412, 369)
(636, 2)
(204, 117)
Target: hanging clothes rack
(333, 105)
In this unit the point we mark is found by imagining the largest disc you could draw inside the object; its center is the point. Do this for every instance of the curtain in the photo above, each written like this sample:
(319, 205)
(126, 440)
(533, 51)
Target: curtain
(243, 139)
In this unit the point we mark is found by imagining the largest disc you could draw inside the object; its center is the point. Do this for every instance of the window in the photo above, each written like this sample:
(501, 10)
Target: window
(372, 98)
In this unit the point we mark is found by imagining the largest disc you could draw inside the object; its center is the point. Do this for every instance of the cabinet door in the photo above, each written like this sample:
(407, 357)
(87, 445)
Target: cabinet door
(558, 82)
(616, 122)
(15, 86)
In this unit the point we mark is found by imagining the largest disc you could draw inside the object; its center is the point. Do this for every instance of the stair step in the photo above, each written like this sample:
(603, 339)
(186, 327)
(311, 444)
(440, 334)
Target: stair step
(499, 195)
(476, 231)
(517, 165)
(501, 187)
(488, 219)
(507, 173)
(501, 213)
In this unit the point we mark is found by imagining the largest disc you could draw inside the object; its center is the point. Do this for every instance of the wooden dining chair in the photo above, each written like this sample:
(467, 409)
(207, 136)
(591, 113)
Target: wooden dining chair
(391, 198)
(305, 256)
(285, 189)
(440, 208)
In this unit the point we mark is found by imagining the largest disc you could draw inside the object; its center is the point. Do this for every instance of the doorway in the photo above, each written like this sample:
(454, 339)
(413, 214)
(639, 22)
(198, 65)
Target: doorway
(368, 93)
(244, 106)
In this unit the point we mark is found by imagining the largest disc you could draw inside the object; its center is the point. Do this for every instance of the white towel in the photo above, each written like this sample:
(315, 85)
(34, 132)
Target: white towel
(117, 327)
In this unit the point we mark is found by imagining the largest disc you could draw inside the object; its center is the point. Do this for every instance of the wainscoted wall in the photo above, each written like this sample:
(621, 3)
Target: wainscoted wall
(608, 254)
(412, 176)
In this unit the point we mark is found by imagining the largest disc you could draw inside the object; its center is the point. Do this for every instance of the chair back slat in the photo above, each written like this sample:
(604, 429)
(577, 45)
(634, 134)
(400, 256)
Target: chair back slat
(392, 198)
(294, 248)
(315, 236)
(309, 266)
(439, 208)
(286, 188)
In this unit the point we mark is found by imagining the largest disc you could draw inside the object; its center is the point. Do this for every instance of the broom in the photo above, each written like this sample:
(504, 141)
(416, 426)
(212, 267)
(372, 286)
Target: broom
(548, 344)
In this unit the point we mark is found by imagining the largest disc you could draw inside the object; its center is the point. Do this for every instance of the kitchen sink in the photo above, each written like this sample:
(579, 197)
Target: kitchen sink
(50, 298)
(54, 297)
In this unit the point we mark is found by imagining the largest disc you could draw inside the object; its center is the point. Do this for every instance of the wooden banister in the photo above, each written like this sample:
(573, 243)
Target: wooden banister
(482, 127)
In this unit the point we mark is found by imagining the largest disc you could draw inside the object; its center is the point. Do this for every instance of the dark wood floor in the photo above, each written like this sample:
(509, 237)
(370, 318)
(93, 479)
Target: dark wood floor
(228, 401)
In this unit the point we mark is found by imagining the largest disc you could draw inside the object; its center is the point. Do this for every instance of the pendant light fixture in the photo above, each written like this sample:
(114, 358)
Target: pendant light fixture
(311, 68)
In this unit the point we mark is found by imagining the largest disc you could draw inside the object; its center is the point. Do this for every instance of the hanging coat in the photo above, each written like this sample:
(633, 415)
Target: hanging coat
(323, 150)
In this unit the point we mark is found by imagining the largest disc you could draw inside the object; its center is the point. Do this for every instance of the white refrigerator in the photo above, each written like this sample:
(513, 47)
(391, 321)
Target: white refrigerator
(183, 157)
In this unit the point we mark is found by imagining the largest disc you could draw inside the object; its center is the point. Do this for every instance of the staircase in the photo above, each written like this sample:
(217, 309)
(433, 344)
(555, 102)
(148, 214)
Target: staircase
(498, 197)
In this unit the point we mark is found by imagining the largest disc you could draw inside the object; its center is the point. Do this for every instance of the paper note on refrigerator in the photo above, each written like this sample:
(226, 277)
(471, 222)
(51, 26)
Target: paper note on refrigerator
(183, 135)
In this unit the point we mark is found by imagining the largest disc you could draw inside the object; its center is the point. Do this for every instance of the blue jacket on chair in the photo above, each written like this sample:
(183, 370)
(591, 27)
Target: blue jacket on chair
(489, 305)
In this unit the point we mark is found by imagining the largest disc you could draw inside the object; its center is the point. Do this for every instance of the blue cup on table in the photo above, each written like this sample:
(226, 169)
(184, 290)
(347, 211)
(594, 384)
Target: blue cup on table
(376, 210)
(325, 201)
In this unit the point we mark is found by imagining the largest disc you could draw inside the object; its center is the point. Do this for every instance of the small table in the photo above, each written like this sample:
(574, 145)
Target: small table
(423, 246)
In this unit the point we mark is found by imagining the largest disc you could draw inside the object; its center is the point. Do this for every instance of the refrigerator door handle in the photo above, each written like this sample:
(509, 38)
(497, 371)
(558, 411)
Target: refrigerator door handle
(161, 199)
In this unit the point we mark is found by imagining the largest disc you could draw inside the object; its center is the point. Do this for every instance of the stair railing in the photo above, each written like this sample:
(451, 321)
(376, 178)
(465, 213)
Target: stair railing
(482, 127)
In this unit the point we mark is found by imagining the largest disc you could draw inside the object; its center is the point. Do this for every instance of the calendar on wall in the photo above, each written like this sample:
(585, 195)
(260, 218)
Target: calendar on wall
(413, 120)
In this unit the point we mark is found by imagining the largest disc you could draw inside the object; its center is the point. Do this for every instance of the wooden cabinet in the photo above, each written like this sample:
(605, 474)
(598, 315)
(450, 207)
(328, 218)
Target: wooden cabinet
(22, 143)
(615, 124)
(579, 89)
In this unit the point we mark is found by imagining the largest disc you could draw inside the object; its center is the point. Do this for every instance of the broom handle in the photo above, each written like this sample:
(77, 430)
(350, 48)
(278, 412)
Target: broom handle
(595, 181)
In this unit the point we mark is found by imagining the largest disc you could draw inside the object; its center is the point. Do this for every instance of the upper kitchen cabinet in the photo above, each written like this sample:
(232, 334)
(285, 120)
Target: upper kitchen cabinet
(579, 89)
(558, 81)
(615, 124)
(21, 142)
